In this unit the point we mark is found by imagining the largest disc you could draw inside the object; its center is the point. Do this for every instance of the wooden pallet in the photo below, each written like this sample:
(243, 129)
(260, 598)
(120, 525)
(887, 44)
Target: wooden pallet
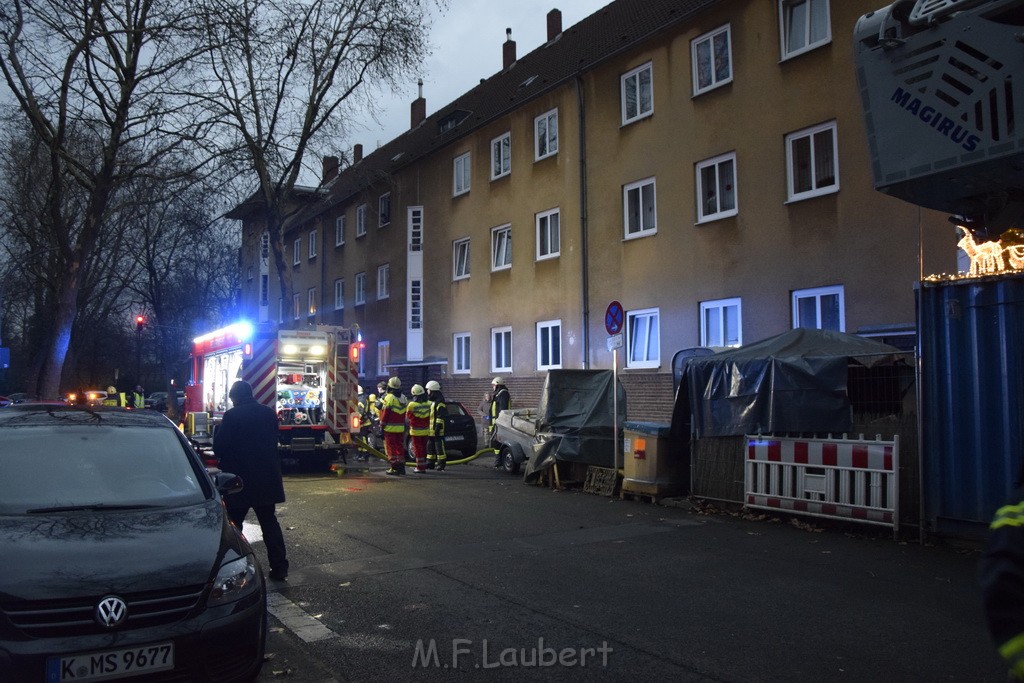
(604, 481)
(651, 498)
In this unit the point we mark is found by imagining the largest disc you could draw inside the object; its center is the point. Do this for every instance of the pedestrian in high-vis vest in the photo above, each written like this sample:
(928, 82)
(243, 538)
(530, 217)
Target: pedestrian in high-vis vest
(437, 457)
(417, 415)
(1001, 574)
(392, 423)
(500, 400)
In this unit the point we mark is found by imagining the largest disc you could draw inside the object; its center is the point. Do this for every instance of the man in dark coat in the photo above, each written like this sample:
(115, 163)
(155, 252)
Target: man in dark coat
(246, 444)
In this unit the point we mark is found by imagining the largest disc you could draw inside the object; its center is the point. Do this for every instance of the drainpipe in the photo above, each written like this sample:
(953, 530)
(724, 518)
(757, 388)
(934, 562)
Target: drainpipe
(584, 244)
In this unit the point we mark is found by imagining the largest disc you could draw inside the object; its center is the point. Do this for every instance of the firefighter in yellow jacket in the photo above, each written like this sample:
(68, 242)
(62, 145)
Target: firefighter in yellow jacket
(392, 423)
(436, 455)
(1001, 573)
(418, 416)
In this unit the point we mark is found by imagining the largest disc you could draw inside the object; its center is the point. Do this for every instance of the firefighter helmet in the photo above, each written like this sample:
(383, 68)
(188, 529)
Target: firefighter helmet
(359, 389)
(111, 390)
(497, 380)
(394, 383)
(416, 390)
(432, 385)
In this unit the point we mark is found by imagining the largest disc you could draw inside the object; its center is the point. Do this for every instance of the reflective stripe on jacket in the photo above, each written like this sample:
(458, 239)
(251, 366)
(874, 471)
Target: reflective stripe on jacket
(438, 412)
(392, 414)
(418, 413)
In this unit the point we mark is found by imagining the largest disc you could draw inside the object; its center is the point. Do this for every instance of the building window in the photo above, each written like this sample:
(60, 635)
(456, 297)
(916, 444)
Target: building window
(339, 231)
(643, 339)
(384, 210)
(296, 305)
(501, 156)
(501, 247)
(711, 55)
(339, 294)
(264, 290)
(415, 304)
(460, 258)
(460, 353)
(312, 244)
(461, 174)
(639, 208)
(716, 188)
(549, 345)
(812, 162)
(721, 323)
(548, 236)
(545, 135)
(360, 220)
(296, 248)
(822, 308)
(360, 289)
(383, 357)
(803, 25)
(383, 281)
(311, 301)
(637, 94)
(501, 349)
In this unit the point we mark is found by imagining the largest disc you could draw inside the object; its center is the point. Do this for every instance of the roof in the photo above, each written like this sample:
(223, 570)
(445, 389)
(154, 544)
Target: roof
(619, 26)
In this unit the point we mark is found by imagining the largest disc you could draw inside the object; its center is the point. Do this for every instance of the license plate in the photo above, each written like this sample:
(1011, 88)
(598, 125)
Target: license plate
(107, 664)
(452, 438)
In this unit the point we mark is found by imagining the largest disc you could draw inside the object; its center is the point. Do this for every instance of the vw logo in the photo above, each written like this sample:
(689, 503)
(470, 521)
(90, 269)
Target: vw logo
(111, 611)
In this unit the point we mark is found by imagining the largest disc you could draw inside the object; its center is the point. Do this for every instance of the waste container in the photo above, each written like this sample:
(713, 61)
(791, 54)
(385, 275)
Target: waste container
(649, 466)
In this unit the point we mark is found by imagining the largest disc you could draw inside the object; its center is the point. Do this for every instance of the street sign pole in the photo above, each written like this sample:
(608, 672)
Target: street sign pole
(615, 407)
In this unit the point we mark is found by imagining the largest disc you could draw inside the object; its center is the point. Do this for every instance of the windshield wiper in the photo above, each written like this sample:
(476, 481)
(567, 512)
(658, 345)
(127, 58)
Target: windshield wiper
(91, 507)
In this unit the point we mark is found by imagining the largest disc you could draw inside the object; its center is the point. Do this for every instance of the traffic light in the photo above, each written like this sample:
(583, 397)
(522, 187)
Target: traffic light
(140, 322)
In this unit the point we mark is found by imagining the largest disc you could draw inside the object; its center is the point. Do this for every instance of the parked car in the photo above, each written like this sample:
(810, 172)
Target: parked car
(87, 397)
(4, 401)
(119, 557)
(460, 434)
(20, 397)
(158, 400)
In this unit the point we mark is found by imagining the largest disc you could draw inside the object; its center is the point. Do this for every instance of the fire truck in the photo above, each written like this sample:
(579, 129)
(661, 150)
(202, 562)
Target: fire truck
(308, 376)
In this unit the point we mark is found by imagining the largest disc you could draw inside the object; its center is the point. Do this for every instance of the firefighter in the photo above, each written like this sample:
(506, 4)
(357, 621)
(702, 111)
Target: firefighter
(138, 401)
(114, 397)
(418, 417)
(1001, 574)
(392, 423)
(500, 400)
(436, 455)
(365, 420)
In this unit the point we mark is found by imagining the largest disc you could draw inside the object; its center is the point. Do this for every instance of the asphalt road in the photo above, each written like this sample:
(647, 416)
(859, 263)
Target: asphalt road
(473, 574)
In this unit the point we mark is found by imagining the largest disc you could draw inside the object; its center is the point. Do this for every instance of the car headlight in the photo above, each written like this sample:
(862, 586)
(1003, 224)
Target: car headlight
(234, 581)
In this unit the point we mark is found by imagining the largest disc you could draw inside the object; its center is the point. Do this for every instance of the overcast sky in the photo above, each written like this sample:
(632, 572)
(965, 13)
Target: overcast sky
(466, 43)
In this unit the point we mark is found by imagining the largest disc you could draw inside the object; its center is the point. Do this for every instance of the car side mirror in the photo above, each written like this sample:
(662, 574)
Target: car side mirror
(228, 483)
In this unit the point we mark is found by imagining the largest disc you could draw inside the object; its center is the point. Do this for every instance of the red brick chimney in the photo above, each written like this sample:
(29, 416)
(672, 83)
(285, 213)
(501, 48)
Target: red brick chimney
(330, 170)
(357, 153)
(508, 50)
(554, 24)
(418, 110)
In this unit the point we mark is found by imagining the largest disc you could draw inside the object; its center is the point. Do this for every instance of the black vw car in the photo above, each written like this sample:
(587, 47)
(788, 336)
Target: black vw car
(118, 556)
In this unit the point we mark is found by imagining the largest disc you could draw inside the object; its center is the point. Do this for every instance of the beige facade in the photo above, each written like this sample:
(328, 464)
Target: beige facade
(775, 146)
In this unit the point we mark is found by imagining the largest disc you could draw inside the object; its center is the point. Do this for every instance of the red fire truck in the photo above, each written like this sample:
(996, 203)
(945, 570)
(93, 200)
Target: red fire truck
(309, 377)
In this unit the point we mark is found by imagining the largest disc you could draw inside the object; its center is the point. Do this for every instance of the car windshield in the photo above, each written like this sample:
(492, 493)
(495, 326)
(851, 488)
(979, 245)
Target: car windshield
(69, 467)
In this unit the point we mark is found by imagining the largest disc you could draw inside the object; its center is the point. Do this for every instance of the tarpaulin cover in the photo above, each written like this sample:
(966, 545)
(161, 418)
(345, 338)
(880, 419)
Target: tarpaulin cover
(793, 382)
(575, 419)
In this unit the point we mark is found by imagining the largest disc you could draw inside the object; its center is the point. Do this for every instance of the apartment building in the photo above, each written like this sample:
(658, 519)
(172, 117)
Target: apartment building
(702, 162)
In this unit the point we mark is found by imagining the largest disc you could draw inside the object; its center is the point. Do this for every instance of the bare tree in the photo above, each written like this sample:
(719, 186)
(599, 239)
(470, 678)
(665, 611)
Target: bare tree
(281, 75)
(102, 85)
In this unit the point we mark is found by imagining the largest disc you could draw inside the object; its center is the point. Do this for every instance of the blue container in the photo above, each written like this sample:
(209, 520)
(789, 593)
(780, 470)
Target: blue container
(972, 400)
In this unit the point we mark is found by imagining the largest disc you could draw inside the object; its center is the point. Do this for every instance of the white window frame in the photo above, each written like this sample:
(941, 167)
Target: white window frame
(696, 46)
(817, 293)
(716, 163)
(296, 305)
(786, 9)
(360, 294)
(383, 281)
(339, 294)
(461, 174)
(505, 333)
(361, 220)
(501, 156)
(545, 143)
(462, 360)
(638, 186)
(384, 210)
(339, 231)
(549, 341)
(312, 244)
(501, 236)
(817, 190)
(311, 302)
(383, 357)
(718, 309)
(548, 238)
(296, 250)
(651, 355)
(636, 86)
(461, 267)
